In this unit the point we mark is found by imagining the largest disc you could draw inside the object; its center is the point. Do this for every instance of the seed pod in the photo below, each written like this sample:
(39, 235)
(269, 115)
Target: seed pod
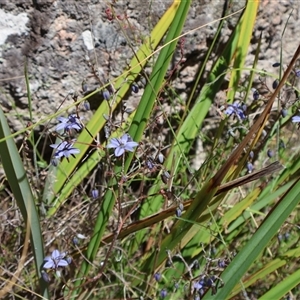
(150, 164)
(275, 65)
(135, 88)
(84, 86)
(284, 113)
(281, 144)
(251, 154)
(165, 176)
(45, 276)
(275, 84)
(160, 158)
(87, 105)
(107, 131)
(255, 95)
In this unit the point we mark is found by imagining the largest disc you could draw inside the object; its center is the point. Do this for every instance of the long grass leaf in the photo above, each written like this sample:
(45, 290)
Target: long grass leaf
(16, 176)
(258, 242)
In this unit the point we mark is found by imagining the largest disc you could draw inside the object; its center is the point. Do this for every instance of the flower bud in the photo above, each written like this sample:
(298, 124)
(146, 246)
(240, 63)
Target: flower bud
(106, 94)
(249, 167)
(135, 88)
(270, 153)
(255, 95)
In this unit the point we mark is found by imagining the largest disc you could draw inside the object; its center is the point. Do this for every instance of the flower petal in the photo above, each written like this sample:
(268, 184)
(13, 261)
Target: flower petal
(296, 119)
(119, 151)
(62, 263)
(124, 138)
(55, 254)
(114, 143)
(49, 264)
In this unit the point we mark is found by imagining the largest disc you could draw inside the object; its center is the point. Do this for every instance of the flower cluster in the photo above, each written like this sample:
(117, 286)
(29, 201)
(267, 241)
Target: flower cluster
(236, 109)
(201, 285)
(64, 149)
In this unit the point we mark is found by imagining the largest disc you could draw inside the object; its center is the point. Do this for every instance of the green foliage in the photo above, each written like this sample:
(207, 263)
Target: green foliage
(156, 226)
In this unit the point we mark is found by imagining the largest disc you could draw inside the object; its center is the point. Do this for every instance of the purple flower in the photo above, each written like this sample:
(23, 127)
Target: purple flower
(157, 276)
(57, 259)
(106, 94)
(150, 164)
(72, 122)
(296, 119)
(122, 144)
(64, 149)
(237, 109)
(249, 167)
(163, 293)
(95, 193)
(198, 285)
(297, 73)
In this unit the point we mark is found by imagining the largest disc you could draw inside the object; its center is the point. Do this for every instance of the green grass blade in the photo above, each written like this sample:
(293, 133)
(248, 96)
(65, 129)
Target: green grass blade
(189, 130)
(259, 241)
(138, 125)
(65, 170)
(22, 192)
(283, 288)
(244, 31)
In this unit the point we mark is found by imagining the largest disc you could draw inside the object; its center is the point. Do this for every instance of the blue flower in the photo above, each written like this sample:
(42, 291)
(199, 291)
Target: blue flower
(72, 122)
(249, 167)
(237, 109)
(157, 276)
(163, 293)
(198, 285)
(64, 149)
(57, 259)
(95, 193)
(122, 144)
(106, 94)
(296, 119)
